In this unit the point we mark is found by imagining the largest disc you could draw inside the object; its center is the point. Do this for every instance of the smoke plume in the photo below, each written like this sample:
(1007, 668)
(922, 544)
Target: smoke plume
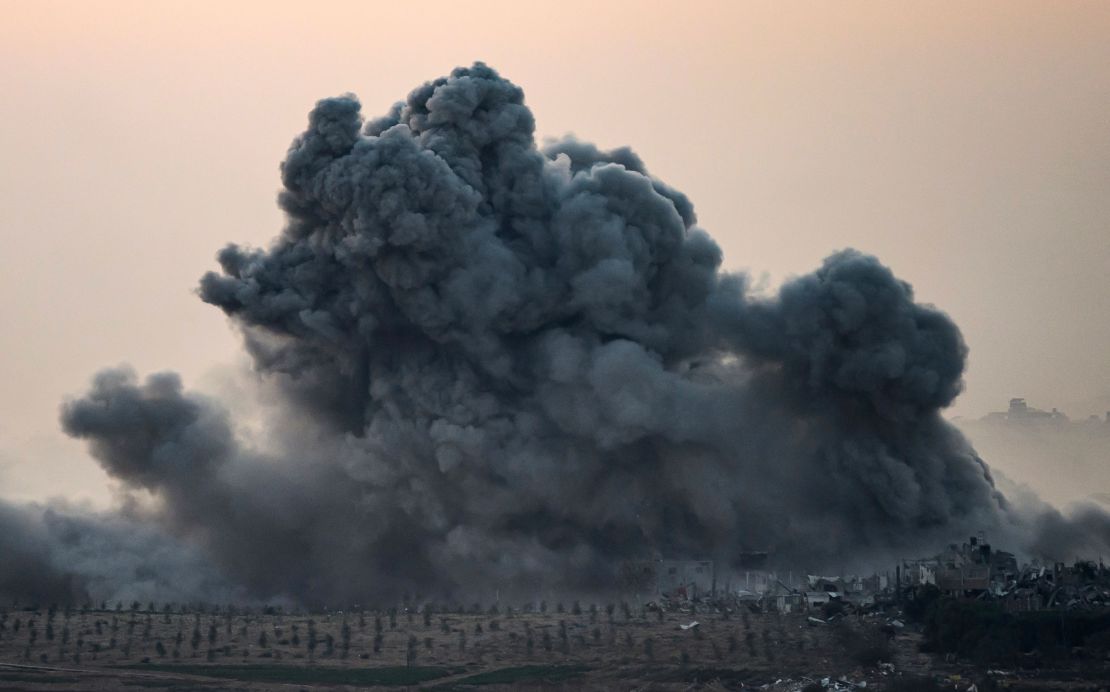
(503, 366)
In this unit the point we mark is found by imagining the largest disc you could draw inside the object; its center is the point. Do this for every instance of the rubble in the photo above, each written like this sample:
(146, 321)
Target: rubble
(974, 579)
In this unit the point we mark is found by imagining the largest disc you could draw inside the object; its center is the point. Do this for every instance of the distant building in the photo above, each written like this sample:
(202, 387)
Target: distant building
(919, 572)
(1021, 412)
(876, 582)
(970, 567)
(973, 567)
(639, 576)
(783, 599)
(964, 578)
(755, 581)
(671, 578)
(689, 578)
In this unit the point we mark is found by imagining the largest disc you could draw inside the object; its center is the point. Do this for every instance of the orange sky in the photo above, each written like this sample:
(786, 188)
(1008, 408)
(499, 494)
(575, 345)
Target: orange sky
(966, 144)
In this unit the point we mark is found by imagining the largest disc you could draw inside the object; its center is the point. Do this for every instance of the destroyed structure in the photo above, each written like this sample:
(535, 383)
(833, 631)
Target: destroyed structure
(970, 570)
(685, 579)
(974, 570)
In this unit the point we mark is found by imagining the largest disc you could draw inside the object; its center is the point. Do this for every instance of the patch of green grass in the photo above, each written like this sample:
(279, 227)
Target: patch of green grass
(176, 685)
(515, 674)
(32, 677)
(725, 675)
(393, 675)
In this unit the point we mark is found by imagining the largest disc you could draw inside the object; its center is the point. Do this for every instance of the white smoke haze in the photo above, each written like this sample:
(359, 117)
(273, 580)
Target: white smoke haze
(495, 366)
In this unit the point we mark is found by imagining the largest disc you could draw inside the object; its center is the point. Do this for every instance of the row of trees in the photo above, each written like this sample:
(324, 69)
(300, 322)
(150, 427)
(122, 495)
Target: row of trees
(227, 635)
(151, 607)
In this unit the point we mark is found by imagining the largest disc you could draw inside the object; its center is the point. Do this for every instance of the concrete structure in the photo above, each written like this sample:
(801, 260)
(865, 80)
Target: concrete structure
(670, 578)
(686, 578)
(919, 572)
(964, 578)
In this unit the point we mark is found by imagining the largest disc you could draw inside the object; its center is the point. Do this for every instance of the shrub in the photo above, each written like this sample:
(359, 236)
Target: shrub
(923, 599)
(870, 650)
(410, 653)
(913, 683)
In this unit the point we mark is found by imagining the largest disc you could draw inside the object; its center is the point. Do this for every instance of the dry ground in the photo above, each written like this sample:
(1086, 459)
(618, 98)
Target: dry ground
(102, 650)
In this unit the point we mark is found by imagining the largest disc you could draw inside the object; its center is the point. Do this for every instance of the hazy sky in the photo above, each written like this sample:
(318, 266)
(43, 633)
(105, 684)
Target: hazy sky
(966, 144)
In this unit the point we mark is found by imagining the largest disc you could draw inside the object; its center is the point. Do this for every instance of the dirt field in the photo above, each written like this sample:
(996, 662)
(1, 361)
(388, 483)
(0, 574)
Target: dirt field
(643, 649)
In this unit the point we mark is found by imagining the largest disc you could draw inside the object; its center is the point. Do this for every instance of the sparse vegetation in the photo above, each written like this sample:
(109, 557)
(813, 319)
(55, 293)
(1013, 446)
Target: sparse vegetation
(526, 646)
(384, 676)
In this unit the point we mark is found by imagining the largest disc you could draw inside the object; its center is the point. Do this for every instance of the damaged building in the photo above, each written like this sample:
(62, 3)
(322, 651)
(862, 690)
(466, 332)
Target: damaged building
(967, 568)
(747, 576)
(681, 579)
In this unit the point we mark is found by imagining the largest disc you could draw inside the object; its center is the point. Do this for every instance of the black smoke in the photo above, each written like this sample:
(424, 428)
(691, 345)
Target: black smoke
(496, 365)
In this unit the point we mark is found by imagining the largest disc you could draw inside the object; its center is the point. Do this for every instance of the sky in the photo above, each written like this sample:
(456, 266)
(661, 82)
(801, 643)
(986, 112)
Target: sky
(965, 144)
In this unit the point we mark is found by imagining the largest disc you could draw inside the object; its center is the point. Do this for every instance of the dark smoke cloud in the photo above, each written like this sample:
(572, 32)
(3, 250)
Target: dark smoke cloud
(501, 366)
(64, 554)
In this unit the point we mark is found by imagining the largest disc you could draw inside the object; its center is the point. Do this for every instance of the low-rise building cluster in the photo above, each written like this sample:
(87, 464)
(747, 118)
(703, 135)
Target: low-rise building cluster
(972, 570)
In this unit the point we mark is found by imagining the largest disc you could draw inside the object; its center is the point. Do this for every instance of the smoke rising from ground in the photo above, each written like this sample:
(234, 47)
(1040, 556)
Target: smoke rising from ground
(501, 366)
(65, 554)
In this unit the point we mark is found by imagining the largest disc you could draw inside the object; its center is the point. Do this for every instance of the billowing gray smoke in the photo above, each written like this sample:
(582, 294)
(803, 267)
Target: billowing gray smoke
(509, 367)
(64, 554)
